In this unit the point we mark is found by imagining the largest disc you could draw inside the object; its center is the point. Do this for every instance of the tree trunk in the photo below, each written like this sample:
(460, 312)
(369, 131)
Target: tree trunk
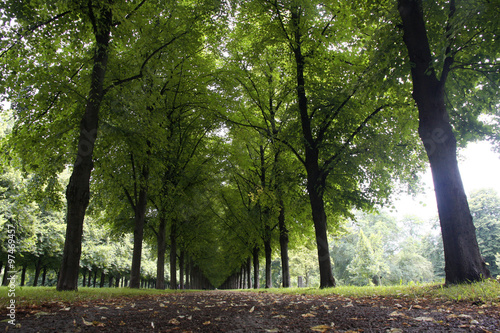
(315, 178)
(38, 268)
(249, 272)
(44, 275)
(256, 282)
(77, 192)
(268, 253)
(23, 274)
(463, 261)
(285, 267)
(84, 276)
(95, 278)
(162, 247)
(173, 255)
(5, 276)
(181, 270)
(140, 219)
(102, 279)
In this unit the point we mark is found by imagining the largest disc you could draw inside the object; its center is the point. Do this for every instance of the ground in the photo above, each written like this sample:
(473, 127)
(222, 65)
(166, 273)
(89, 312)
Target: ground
(231, 311)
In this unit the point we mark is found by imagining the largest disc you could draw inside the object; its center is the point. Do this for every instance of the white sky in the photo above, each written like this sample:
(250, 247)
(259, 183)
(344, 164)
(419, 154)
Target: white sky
(479, 167)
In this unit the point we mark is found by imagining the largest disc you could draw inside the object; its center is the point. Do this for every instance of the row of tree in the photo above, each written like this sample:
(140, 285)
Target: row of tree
(220, 128)
(370, 249)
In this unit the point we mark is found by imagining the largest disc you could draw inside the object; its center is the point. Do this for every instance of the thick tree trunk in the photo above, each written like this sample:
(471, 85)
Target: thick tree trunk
(285, 267)
(255, 254)
(23, 274)
(44, 275)
(38, 268)
(162, 247)
(268, 253)
(102, 279)
(181, 270)
(173, 255)
(463, 261)
(249, 272)
(315, 179)
(140, 219)
(77, 192)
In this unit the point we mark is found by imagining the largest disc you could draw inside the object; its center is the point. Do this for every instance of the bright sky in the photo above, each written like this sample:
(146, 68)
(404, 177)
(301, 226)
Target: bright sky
(479, 167)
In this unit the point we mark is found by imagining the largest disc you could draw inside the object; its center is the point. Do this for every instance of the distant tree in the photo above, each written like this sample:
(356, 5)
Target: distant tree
(485, 209)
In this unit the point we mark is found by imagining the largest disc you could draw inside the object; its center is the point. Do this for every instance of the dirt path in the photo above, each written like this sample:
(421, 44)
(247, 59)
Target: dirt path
(226, 311)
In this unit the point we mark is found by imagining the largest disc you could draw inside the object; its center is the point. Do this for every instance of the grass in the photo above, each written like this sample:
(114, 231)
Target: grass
(486, 291)
(32, 296)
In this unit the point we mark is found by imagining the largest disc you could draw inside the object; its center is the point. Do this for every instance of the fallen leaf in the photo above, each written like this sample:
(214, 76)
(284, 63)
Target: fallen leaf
(279, 316)
(206, 323)
(424, 319)
(174, 321)
(88, 323)
(464, 316)
(252, 309)
(320, 328)
(308, 315)
(397, 314)
(394, 330)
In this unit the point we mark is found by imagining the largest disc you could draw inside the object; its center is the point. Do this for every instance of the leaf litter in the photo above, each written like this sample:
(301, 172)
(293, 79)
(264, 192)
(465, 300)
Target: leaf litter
(231, 311)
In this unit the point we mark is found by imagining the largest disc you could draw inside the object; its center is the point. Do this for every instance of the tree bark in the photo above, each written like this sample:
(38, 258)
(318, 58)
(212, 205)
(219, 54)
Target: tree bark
(463, 261)
(140, 219)
(256, 281)
(249, 272)
(38, 268)
(173, 255)
(44, 275)
(315, 179)
(162, 247)
(285, 267)
(77, 192)
(23, 274)
(181, 270)
(268, 253)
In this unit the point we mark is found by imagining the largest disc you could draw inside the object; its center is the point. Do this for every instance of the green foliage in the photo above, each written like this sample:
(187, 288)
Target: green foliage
(485, 209)
(378, 249)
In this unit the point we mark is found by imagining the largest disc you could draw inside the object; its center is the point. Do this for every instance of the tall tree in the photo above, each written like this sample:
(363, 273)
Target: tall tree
(464, 28)
(344, 129)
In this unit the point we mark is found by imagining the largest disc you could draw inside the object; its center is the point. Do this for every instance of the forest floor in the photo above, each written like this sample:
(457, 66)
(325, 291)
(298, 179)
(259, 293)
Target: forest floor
(237, 311)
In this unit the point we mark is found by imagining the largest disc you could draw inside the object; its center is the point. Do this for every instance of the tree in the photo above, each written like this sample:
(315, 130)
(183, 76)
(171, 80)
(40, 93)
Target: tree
(89, 26)
(337, 114)
(465, 29)
(485, 210)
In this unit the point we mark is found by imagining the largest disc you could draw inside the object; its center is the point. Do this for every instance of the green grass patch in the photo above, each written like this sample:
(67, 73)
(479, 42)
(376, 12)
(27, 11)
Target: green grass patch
(486, 291)
(33, 296)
